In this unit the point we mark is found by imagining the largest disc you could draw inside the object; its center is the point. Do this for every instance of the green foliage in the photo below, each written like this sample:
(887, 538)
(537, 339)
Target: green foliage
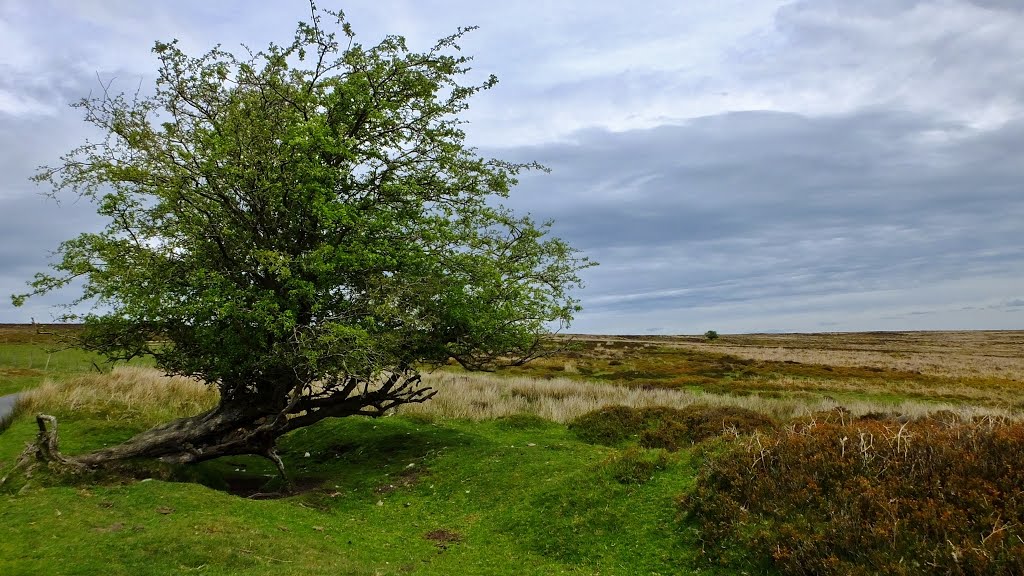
(664, 427)
(711, 335)
(304, 212)
(868, 496)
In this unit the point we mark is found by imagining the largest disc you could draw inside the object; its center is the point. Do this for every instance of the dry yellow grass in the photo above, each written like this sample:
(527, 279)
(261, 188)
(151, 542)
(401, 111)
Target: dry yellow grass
(146, 396)
(952, 363)
(488, 396)
(975, 354)
(998, 393)
(140, 394)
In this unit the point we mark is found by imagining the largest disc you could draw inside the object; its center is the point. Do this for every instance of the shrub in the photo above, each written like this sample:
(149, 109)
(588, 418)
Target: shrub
(711, 335)
(868, 497)
(609, 426)
(664, 427)
(635, 465)
(697, 422)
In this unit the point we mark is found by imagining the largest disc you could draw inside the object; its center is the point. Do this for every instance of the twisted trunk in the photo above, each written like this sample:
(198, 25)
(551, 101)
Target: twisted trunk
(236, 426)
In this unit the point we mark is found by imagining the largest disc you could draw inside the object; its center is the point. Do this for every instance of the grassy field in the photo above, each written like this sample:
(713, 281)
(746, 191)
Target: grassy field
(499, 474)
(30, 354)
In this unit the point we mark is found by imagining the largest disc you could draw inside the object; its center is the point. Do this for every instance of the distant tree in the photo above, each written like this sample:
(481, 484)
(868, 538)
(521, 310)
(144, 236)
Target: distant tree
(711, 335)
(303, 228)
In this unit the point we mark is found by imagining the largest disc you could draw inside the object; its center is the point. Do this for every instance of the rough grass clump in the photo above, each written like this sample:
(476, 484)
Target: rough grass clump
(635, 465)
(609, 426)
(868, 497)
(144, 396)
(665, 427)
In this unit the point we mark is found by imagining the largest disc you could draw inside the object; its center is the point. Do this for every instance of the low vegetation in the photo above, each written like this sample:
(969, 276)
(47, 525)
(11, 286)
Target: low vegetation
(613, 456)
(835, 495)
(668, 428)
(139, 395)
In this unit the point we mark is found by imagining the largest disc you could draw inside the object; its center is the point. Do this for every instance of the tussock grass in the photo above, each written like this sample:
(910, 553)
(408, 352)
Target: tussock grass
(147, 397)
(131, 393)
(489, 396)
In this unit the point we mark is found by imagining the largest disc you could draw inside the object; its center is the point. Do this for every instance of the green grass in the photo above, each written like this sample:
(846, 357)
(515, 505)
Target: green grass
(25, 365)
(398, 495)
(515, 497)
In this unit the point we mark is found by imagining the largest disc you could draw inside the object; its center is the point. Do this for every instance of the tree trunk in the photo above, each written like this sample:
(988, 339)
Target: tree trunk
(236, 427)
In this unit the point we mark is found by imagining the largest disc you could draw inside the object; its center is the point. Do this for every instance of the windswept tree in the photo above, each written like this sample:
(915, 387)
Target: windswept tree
(304, 228)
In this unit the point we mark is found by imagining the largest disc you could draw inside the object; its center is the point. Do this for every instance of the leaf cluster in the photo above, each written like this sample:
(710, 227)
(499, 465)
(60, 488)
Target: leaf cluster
(304, 211)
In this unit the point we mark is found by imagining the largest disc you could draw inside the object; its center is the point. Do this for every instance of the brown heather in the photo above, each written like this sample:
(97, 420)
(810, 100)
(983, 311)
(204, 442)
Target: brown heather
(835, 495)
(975, 354)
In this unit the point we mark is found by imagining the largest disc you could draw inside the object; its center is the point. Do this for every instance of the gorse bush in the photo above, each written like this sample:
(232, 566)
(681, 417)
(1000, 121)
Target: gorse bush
(870, 496)
(665, 427)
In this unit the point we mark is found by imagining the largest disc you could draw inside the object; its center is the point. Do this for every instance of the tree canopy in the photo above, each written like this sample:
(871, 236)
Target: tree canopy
(303, 227)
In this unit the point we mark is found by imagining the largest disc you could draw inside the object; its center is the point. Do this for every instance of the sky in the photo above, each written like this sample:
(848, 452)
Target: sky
(738, 166)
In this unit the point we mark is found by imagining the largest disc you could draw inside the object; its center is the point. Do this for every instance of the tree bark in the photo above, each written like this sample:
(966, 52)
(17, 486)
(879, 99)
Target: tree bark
(236, 427)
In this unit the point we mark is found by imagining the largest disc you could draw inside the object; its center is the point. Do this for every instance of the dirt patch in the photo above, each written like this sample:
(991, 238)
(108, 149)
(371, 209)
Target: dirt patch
(15, 372)
(443, 538)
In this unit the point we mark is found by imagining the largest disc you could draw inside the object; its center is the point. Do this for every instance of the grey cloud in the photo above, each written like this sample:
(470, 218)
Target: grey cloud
(749, 206)
(1007, 5)
(834, 174)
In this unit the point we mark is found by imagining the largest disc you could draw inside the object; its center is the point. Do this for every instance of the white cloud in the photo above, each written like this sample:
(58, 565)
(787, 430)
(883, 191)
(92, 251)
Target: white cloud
(882, 192)
(22, 105)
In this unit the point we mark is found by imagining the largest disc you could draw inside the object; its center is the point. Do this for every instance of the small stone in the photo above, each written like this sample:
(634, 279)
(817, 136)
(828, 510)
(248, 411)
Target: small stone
(380, 502)
(306, 455)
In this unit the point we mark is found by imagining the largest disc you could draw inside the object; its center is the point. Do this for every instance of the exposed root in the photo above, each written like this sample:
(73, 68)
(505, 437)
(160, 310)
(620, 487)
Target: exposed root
(271, 454)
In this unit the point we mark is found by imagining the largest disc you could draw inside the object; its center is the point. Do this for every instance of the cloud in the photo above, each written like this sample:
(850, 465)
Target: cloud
(753, 207)
(770, 165)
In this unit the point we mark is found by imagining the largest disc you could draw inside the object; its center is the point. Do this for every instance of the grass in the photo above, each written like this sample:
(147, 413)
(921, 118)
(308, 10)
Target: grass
(976, 368)
(136, 394)
(486, 396)
(487, 478)
(520, 499)
(31, 354)
(23, 365)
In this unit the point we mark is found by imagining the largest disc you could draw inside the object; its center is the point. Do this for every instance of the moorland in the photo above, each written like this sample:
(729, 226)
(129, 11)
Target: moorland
(858, 453)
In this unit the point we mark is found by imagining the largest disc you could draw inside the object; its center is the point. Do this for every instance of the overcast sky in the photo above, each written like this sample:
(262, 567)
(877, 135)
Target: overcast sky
(742, 166)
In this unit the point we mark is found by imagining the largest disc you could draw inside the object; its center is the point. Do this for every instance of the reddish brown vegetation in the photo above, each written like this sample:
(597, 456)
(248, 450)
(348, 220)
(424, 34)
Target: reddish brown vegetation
(664, 427)
(870, 496)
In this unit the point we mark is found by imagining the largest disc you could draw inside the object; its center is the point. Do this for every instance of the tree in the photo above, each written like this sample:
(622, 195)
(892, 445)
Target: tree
(304, 229)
